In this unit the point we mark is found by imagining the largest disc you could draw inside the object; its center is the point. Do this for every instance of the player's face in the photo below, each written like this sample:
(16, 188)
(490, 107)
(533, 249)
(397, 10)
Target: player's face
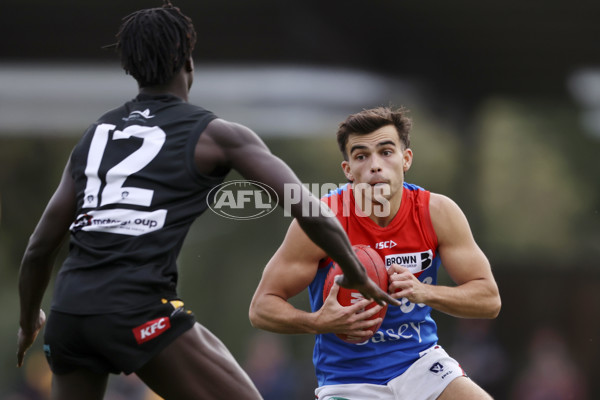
(377, 163)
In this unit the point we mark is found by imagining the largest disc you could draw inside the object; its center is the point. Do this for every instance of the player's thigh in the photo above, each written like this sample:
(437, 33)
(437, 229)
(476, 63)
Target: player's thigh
(463, 388)
(197, 365)
(79, 384)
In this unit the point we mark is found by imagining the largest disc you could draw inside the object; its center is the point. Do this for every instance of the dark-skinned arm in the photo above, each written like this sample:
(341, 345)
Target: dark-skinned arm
(38, 261)
(241, 149)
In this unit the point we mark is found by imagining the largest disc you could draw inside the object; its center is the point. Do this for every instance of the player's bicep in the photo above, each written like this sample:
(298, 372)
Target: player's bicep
(292, 267)
(231, 143)
(461, 256)
(465, 263)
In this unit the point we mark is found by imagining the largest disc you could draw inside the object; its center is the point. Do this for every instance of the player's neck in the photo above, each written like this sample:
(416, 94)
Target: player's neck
(382, 217)
(157, 90)
(382, 213)
(178, 86)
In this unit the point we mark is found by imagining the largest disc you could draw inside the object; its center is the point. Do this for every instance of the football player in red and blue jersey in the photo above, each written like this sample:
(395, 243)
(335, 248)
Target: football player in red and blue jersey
(415, 232)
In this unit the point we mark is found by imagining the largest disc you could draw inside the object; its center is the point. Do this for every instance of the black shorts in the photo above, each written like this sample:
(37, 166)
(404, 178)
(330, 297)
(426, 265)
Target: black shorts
(113, 343)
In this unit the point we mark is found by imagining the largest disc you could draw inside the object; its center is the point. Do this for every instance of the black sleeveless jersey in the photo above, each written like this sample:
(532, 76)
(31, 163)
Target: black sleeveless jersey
(138, 192)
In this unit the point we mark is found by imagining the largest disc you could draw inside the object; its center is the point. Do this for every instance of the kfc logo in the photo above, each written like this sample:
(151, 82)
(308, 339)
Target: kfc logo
(151, 329)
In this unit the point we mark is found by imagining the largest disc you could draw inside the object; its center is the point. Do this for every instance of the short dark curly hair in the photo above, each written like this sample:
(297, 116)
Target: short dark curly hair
(155, 43)
(372, 119)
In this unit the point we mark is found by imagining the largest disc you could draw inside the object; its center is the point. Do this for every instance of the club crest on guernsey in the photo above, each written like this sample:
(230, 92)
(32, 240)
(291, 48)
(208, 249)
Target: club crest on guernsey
(137, 115)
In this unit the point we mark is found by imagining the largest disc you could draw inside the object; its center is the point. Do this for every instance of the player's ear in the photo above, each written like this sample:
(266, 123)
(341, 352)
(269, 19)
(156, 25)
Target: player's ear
(188, 68)
(407, 159)
(189, 64)
(347, 171)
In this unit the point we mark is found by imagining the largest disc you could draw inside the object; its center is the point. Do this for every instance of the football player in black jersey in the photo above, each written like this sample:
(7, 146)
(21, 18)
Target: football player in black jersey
(133, 185)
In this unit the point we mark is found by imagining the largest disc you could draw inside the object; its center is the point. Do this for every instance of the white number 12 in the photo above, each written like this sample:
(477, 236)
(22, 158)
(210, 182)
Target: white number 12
(114, 192)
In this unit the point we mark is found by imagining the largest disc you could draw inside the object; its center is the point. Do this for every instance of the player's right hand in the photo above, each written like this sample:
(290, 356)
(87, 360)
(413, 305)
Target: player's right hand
(26, 339)
(351, 320)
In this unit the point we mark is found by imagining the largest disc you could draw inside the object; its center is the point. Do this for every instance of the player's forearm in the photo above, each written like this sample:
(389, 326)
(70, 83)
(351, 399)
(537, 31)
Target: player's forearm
(34, 276)
(32, 285)
(327, 233)
(314, 217)
(272, 313)
(474, 299)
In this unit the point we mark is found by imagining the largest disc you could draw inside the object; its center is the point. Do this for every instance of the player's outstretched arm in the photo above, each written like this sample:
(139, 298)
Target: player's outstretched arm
(38, 261)
(241, 149)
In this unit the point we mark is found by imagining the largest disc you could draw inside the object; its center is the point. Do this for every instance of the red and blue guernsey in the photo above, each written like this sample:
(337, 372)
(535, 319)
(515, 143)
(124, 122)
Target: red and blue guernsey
(409, 240)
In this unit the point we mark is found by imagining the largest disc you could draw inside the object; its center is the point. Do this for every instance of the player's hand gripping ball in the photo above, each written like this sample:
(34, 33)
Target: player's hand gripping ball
(376, 270)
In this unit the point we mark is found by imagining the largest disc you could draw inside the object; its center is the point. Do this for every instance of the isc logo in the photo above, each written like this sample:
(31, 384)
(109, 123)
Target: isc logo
(388, 244)
(151, 329)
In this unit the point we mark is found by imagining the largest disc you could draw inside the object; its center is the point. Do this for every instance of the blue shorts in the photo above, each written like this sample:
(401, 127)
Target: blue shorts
(116, 342)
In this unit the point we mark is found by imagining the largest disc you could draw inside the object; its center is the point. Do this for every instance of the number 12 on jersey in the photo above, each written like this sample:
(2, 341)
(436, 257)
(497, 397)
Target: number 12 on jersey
(114, 192)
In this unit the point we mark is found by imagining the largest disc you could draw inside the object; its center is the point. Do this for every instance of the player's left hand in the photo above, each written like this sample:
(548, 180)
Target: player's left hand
(369, 290)
(404, 284)
(25, 340)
